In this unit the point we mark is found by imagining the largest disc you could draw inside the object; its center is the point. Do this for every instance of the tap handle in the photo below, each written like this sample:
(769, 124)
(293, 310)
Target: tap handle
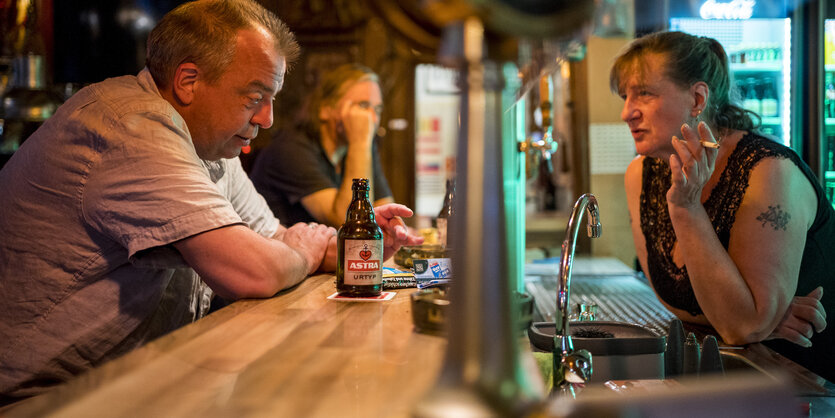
(571, 368)
(692, 355)
(588, 311)
(674, 353)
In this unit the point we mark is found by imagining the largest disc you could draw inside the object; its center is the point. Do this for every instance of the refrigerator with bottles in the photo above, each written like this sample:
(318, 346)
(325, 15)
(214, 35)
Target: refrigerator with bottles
(828, 138)
(756, 36)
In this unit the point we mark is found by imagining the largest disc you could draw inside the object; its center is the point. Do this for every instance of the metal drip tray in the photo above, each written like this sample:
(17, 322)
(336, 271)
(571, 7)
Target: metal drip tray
(620, 298)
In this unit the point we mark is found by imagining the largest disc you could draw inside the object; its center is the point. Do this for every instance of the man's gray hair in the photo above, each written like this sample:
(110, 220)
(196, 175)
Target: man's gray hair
(204, 32)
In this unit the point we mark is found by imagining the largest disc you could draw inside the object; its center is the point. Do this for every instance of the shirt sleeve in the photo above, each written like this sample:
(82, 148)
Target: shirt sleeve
(250, 205)
(149, 187)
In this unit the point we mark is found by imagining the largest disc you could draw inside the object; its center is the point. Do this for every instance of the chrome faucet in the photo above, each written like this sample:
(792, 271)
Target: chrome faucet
(572, 366)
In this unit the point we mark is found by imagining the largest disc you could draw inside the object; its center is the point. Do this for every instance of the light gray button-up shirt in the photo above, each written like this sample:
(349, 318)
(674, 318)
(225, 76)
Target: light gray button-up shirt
(89, 207)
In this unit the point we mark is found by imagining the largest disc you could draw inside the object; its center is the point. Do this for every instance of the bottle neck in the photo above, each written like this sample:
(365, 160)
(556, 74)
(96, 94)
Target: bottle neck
(446, 208)
(360, 195)
(361, 208)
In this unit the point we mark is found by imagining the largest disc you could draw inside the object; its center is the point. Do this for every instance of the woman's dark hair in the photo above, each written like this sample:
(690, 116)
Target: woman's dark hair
(689, 59)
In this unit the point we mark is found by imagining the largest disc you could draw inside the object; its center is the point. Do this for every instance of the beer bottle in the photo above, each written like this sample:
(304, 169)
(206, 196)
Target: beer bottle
(359, 245)
(446, 212)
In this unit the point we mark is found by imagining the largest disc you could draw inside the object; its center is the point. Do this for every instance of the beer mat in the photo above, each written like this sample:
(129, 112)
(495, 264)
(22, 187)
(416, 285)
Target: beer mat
(383, 296)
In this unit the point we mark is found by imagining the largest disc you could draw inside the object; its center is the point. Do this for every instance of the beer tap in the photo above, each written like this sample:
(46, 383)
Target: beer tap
(540, 145)
(486, 371)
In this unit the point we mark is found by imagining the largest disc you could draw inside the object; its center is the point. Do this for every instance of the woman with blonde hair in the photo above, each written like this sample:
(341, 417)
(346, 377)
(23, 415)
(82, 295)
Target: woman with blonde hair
(732, 229)
(305, 174)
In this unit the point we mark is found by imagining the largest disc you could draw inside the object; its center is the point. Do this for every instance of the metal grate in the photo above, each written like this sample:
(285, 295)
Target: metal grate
(619, 298)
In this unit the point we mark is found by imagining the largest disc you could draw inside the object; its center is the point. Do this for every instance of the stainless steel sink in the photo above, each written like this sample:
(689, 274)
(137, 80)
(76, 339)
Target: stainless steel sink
(621, 300)
(630, 352)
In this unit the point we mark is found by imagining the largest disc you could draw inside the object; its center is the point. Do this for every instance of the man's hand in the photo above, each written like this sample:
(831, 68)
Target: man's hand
(329, 262)
(395, 232)
(804, 317)
(310, 241)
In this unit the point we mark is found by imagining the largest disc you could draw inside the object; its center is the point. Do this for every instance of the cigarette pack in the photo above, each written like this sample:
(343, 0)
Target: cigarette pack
(432, 269)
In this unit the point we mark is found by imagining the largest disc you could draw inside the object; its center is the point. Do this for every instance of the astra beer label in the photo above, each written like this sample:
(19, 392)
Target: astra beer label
(363, 262)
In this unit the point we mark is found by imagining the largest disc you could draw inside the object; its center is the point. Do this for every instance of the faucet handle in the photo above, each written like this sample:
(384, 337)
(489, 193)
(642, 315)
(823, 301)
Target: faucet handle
(572, 367)
(588, 311)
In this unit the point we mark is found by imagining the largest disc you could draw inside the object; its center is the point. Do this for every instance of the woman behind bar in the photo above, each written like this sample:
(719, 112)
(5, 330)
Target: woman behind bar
(305, 174)
(729, 225)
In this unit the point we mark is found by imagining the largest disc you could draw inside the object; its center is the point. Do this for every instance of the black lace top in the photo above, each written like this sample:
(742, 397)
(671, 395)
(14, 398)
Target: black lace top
(672, 282)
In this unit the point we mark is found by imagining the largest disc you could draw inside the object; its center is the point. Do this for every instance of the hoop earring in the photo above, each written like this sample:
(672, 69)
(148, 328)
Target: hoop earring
(699, 116)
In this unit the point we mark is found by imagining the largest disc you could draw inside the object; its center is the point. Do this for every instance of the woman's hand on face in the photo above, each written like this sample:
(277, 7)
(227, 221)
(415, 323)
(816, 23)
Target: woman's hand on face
(691, 165)
(804, 317)
(358, 123)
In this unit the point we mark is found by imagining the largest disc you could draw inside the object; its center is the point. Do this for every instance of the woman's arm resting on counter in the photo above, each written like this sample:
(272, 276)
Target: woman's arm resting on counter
(803, 314)
(746, 290)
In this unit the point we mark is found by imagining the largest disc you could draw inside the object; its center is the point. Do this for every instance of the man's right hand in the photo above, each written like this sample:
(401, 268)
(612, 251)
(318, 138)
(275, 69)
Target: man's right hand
(310, 241)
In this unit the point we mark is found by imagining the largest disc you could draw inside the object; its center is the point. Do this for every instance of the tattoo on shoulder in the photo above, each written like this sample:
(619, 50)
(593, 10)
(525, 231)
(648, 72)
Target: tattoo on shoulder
(776, 217)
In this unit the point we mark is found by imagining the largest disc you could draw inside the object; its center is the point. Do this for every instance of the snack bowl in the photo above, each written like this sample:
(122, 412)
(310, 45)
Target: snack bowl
(404, 256)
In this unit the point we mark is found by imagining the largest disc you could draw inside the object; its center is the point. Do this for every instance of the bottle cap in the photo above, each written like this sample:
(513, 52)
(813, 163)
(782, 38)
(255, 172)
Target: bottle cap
(360, 184)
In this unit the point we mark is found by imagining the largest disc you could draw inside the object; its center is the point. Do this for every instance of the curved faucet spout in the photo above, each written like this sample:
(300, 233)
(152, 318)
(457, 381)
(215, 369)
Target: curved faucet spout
(563, 346)
(588, 203)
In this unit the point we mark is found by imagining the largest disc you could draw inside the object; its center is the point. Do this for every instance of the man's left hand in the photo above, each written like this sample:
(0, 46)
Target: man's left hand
(329, 262)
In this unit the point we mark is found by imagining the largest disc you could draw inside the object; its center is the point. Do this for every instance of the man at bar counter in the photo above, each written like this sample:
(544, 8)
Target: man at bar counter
(112, 209)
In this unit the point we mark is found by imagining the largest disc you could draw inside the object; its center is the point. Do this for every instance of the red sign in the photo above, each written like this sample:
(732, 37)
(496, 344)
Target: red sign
(360, 265)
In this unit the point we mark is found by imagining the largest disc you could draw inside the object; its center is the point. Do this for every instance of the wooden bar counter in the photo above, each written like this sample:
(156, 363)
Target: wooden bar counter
(296, 354)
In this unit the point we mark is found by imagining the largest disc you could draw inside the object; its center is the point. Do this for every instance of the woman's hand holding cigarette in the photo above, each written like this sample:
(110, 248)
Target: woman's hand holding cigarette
(691, 165)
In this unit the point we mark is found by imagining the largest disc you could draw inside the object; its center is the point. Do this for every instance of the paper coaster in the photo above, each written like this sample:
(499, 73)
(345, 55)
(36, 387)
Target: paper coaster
(383, 296)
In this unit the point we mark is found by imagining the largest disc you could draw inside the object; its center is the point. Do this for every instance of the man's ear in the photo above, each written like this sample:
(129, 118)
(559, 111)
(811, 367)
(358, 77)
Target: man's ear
(184, 83)
(701, 92)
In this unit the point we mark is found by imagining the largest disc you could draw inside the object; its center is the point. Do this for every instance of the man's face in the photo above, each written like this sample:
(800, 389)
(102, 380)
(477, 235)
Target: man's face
(226, 114)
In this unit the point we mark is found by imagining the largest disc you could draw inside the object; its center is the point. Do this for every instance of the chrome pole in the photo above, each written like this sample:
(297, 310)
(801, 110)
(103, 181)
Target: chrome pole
(483, 372)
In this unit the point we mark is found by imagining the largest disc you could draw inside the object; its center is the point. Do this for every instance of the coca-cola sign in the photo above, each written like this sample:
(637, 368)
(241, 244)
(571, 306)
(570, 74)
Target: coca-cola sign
(735, 9)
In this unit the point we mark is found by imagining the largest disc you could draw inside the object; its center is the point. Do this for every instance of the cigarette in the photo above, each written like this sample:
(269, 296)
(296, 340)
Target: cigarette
(708, 144)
